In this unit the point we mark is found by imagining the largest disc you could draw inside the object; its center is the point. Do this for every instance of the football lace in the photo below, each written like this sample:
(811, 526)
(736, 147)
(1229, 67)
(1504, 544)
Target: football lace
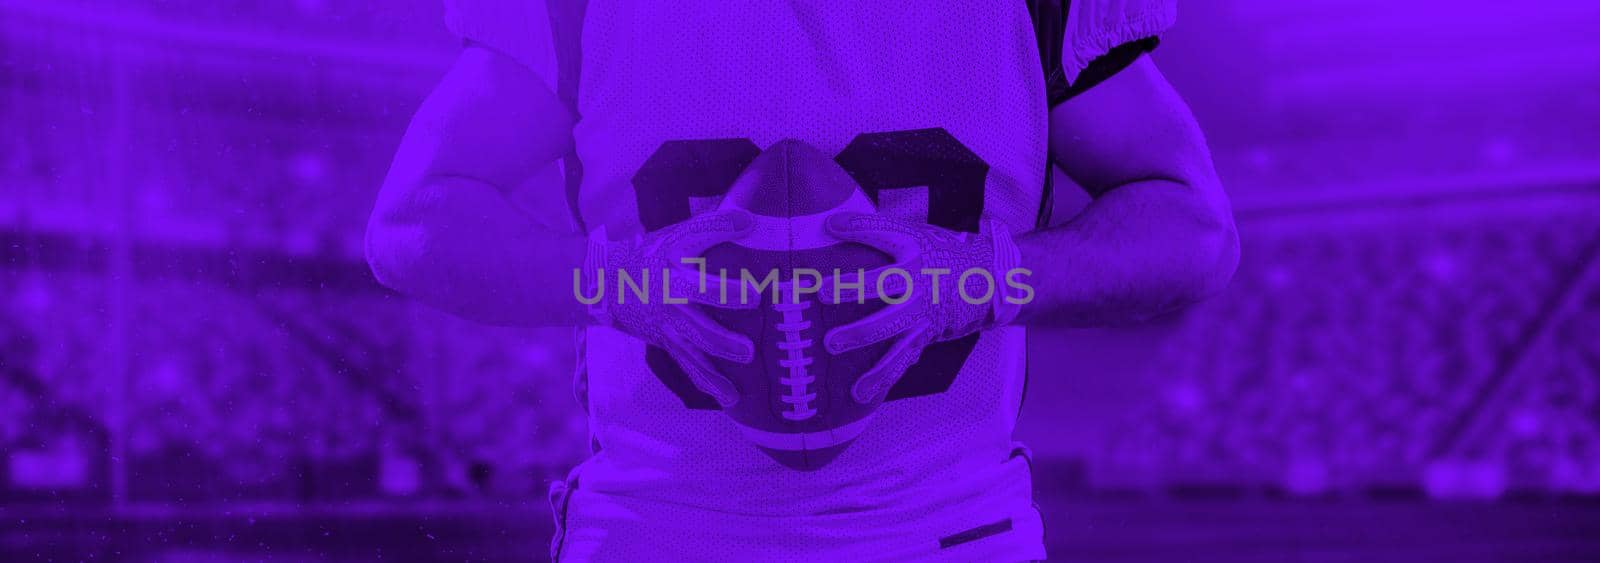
(799, 396)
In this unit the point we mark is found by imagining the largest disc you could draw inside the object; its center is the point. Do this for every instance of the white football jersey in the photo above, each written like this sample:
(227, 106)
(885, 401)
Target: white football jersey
(940, 111)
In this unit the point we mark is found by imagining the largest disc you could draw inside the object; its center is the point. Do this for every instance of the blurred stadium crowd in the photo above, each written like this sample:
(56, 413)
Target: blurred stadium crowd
(184, 313)
(1453, 357)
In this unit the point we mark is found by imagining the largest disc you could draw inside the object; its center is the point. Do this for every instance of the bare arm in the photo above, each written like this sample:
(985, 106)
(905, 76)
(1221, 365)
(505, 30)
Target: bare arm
(1159, 234)
(443, 230)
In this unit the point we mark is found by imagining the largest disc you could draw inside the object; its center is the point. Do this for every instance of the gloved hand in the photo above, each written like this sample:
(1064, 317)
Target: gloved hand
(926, 303)
(679, 328)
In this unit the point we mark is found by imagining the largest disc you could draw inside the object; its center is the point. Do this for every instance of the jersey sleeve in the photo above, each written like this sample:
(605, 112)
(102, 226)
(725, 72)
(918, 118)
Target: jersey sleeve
(519, 29)
(1095, 28)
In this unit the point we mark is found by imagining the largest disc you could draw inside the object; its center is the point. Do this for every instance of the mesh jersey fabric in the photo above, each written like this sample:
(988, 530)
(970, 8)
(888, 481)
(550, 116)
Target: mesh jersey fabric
(671, 97)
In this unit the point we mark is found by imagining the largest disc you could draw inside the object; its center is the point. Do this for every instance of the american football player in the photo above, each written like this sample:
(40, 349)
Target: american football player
(950, 114)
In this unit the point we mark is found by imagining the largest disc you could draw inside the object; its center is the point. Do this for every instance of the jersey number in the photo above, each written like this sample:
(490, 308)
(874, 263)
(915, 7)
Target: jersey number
(932, 158)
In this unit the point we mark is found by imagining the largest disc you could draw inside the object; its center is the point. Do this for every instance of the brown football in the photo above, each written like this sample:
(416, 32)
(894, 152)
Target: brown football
(794, 397)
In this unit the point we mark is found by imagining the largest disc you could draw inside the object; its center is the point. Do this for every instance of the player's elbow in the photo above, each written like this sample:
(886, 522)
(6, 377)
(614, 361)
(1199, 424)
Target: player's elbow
(385, 255)
(1212, 256)
(1221, 251)
(396, 242)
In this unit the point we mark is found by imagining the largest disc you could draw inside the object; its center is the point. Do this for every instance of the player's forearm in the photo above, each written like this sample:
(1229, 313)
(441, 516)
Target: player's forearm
(456, 244)
(1141, 250)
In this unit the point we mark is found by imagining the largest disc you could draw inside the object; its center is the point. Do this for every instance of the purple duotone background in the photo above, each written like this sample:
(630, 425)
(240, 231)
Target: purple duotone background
(195, 364)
